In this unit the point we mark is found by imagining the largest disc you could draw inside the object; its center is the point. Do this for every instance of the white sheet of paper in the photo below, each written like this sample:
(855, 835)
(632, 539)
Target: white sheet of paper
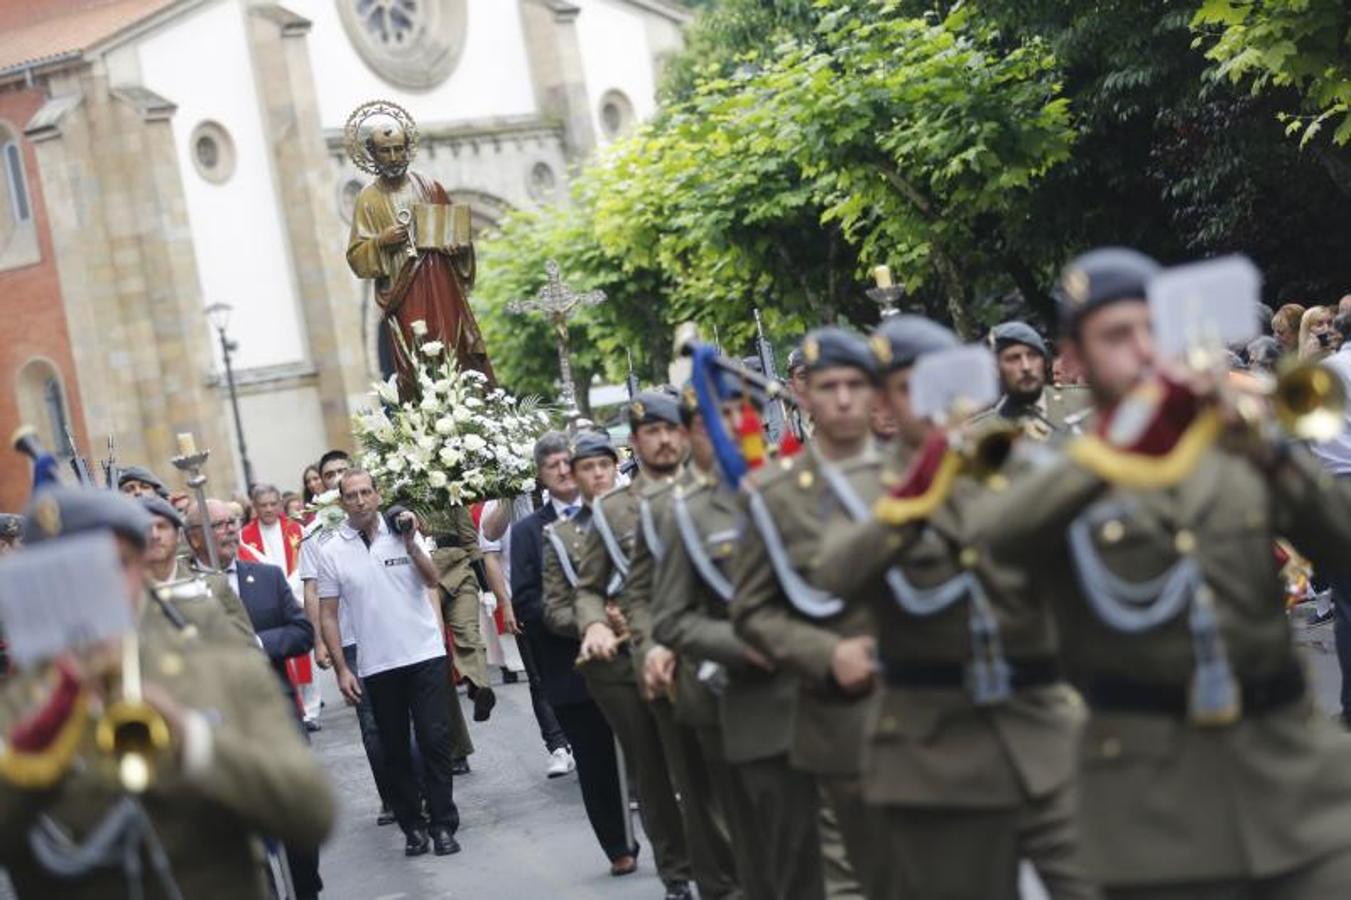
(62, 594)
(956, 382)
(1207, 305)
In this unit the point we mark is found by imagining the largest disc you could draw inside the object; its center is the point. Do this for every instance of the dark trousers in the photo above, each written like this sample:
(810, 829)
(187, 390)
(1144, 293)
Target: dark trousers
(1341, 626)
(593, 748)
(549, 729)
(370, 735)
(420, 692)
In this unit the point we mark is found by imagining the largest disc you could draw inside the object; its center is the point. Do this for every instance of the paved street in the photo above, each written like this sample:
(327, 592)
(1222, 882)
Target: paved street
(524, 836)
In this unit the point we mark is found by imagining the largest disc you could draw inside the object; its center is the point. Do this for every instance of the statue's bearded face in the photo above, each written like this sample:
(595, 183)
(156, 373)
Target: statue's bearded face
(389, 149)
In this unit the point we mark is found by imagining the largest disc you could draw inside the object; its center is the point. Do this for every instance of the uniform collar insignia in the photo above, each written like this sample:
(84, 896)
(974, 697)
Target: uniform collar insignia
(47, 514)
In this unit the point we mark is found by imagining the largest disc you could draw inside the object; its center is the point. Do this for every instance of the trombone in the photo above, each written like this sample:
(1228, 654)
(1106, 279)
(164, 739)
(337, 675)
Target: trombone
(130, 730)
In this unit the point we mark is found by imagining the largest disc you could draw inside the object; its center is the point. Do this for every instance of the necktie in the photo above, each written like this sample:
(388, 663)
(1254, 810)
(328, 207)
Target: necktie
(570, 511)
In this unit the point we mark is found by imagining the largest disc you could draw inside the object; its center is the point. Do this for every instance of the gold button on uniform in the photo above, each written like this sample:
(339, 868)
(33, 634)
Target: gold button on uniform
(805, 480)
(171, 665)
(969, 557)
(1113, 531)
(1184, 542)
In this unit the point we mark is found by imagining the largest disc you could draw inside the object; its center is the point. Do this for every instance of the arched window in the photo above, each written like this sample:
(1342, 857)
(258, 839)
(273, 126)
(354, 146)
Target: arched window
(42, 404)
(18, 236)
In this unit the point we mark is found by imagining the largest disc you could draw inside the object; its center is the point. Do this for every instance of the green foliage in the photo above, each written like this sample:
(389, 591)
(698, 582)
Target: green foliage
(1304, 45)
(783, 174)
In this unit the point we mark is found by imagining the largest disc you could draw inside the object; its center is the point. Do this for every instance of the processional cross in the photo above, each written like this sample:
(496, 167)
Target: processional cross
(558, 302)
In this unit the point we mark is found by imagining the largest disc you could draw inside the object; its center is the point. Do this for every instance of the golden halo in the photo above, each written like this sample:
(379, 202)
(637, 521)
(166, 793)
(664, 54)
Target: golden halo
(355, 143)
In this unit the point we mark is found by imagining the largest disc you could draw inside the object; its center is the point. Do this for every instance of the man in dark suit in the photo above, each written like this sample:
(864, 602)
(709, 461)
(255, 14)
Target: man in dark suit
(593, 745)
(282, 630)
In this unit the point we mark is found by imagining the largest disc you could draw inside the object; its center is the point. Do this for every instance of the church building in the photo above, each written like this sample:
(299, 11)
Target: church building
(165, 156)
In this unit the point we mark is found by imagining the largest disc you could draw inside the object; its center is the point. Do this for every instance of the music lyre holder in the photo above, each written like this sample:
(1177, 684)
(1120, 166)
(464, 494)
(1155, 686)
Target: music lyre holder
(191, 464)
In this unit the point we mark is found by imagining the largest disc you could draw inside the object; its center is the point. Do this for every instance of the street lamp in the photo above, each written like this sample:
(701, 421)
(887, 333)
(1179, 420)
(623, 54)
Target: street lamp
(218, 314)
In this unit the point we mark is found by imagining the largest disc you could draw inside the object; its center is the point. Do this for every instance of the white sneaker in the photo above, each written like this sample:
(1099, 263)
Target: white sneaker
(560, 763)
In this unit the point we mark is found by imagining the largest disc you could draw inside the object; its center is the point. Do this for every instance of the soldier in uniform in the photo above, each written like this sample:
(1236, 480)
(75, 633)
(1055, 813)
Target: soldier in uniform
(236, 767)
(137, 481)
(719, 678)
(1041, 410)
(645, 730)
(800, 628)
(454, 556)
(655, 664)
(611, 680)
(203, 599)
(1206, 771)
(969, 756)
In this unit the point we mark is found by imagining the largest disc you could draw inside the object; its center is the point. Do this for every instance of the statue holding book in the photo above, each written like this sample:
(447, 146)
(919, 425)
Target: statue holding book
(412, 241)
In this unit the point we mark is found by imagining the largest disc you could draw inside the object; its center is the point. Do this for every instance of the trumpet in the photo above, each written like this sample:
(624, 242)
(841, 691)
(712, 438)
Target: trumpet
(985, 454)
(1309, 401)
(130, 730)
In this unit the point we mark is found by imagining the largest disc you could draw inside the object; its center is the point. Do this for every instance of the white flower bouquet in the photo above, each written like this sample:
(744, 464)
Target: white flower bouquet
(327, 510)
(453, 442)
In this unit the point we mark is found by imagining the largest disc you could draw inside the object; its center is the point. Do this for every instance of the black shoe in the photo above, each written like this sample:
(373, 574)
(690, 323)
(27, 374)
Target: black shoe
(679, 890)
(312, 725)
(510, 677)
(444, 841)
(417, 843)
(460, 766)
(385, 818)
(484, 701)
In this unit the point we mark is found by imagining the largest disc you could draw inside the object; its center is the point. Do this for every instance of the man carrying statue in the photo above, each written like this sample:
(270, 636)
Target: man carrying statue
(408, 237)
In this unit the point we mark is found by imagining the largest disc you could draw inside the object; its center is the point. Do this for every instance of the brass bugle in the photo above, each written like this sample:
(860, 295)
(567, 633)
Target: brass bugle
(1309, 401)
(986, 453)
(27, 442)
(130, 730)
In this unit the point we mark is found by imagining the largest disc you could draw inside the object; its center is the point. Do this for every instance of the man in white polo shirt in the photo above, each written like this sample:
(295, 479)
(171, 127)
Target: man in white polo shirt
(382, 577)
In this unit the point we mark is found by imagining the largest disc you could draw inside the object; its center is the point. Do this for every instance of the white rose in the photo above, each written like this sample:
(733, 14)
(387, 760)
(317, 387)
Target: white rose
(388, 391)
(394, 465)
(419, 327)
(429, 404)
(527, 485)
(473, 443)
(327, 498)
(442, 386)
(445, 425)
(462, 414)
(449, 455)
(432, 348)
(438, 480)
(473, 402)
(427, 442)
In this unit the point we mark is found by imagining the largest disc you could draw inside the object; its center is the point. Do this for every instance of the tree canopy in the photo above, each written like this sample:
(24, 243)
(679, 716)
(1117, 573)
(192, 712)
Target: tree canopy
(971, 147)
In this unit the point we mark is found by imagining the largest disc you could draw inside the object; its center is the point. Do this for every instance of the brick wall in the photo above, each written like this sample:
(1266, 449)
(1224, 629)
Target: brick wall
(34, 319)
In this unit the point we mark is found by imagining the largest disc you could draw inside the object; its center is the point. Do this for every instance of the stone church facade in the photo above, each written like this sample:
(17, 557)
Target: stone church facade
(161, 156)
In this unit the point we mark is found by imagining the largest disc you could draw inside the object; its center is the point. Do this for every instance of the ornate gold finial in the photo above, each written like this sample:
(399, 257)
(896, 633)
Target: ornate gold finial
(811, 350)
(47, 515)
(881, 348)
(1076, 284)
(355, 142)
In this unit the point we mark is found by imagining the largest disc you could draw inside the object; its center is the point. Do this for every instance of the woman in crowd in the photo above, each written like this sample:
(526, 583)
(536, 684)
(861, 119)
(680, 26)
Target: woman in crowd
(1316, 333)
(1285, 326)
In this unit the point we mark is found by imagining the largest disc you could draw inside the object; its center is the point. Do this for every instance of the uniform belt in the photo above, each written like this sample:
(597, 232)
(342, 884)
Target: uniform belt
(1030, 672)
(1260, 695)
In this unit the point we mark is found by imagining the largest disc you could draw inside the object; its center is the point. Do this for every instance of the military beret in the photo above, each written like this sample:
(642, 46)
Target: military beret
(832, 347)
(795, 360)
(60, 511)
(140, 473)
(1006, 334)
(654, 406)
(591, 444)
(156, 505)
(1100, 277)
(11, 526)
(902, 339)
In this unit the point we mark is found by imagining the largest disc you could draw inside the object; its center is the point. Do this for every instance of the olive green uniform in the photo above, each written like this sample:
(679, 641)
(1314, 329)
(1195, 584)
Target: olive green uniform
(701, 805)
(689, 615)
(967, 782)
(614, 687)
(259, 778)
(1259, 807)
(454, 557)
(826, 725)
(1059, 412)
